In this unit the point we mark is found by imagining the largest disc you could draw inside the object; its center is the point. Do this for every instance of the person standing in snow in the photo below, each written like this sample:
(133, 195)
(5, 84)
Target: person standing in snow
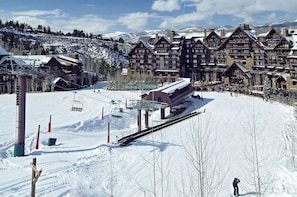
(235, 186)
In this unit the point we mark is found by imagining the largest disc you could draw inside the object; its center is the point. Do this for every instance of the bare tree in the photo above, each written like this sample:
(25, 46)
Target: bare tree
(160, 177)
(290, 135)
(204, 176)
(255, 155)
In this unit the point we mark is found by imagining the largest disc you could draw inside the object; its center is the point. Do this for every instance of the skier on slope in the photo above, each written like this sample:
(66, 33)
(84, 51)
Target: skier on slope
(235, 186)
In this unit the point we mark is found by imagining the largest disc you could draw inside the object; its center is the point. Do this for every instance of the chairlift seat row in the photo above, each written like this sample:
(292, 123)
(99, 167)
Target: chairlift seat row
(77, 106)
(76, 109)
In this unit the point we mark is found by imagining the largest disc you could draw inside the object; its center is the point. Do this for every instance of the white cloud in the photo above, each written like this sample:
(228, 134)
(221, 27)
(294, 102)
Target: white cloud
(177, 13)
(182, 20)
(88, 23)
(166, 5)
(135, 21)
(250, 6)
(32, 21)
(246, 10)
(59, 21)
(56, 12)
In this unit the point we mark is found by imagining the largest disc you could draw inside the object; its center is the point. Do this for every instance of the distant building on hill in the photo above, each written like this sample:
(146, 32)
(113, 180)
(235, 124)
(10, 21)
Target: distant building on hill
(45, 72)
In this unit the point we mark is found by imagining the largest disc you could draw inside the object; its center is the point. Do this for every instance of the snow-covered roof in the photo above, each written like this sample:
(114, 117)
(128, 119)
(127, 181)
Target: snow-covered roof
(170, 88)
(175, 48)
(228, 34)
(147, 45)
(7, 58)
(251, 33)
(35, 60)
(175, 42)
(178, 85)
(190, 36)
(172, 71)
(244, 69)
(67, 58)
(284, 76)
(124, 71)
(263, 34)
(194, 35)
(294, 40)
(56, 79)
(156, 52)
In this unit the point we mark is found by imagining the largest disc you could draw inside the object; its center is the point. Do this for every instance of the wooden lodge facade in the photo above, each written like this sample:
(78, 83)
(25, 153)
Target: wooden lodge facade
(241, 57)
(44, 73)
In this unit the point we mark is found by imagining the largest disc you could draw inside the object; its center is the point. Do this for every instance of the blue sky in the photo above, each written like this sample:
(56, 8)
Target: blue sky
(104, 16)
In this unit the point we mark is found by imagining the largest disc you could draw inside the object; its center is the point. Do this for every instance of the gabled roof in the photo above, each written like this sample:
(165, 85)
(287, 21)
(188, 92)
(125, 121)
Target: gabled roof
(270, 32)
(283, 77)
(57, 79)
(170, 88)
(282, 41)
(248, 33)
(34, 60)
(241, 67)
(212, 33)
(68, 59)
(199, 41)
(163, 38)
(9, 58)
(144, 43)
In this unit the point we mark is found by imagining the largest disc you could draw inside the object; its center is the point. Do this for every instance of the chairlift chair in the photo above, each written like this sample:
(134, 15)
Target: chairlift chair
(76, 104)
(117, 112)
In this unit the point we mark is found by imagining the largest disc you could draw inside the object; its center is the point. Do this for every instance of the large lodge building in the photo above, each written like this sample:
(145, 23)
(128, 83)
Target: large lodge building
(242, 58)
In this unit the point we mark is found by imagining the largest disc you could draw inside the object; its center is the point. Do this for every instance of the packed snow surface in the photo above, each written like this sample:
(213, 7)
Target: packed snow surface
(81, 163)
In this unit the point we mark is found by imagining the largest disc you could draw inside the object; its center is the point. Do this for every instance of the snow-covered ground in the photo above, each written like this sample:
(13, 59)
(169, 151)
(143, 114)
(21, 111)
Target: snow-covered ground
(82, 163)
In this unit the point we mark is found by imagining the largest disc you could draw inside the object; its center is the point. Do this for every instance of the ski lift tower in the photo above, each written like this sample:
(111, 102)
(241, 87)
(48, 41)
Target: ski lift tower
(19, 147)
(21, 85)
(147, 105)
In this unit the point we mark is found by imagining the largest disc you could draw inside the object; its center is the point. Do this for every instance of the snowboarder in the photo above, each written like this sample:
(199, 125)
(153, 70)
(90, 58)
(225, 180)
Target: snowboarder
(235, 186)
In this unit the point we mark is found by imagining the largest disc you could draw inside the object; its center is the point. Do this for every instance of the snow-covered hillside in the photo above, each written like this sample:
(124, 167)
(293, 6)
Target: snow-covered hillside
(88, 48)
(111, 51)
(82, 163)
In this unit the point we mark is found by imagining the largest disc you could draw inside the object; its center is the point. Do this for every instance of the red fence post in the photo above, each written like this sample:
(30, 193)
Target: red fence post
(37, 138)
(50, 124)
(108, 132)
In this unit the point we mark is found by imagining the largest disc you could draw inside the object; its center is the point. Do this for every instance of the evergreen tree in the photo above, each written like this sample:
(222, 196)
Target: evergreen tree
(22, 27)
(5, 37)
(121, 40)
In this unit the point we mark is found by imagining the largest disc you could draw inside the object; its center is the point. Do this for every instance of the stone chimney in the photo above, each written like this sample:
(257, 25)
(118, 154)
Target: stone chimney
(285, 32)
(171, 35)
(222, 33)
(156, 37)
(74, 56)
(245, 26)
